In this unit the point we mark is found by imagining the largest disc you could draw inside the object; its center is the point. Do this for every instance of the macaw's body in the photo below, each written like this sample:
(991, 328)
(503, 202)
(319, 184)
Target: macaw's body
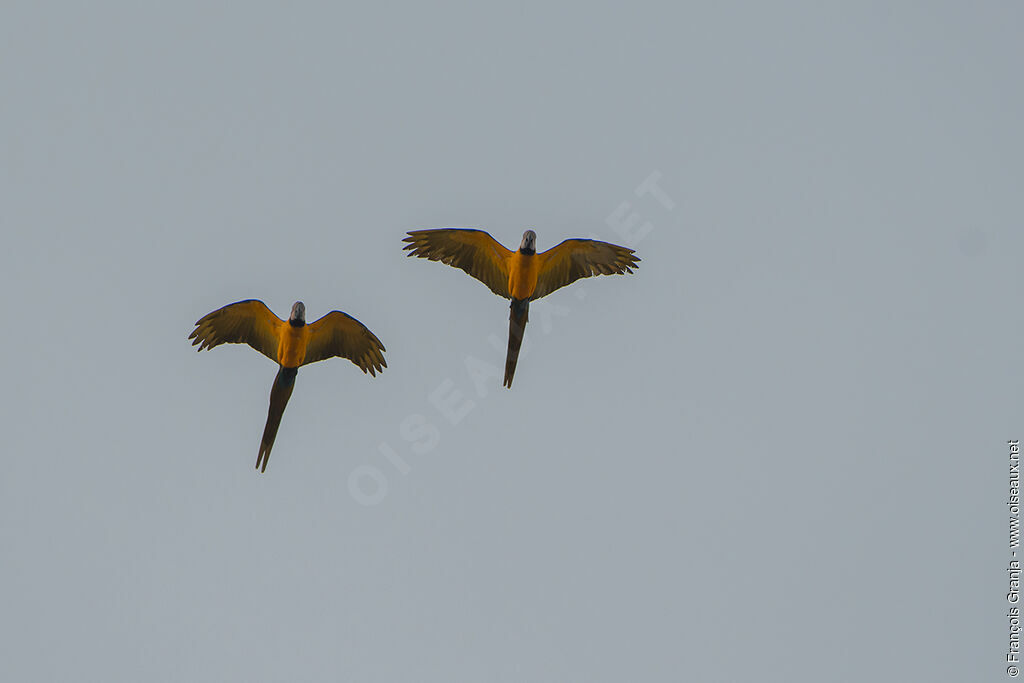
(291, 344)
(522, 275)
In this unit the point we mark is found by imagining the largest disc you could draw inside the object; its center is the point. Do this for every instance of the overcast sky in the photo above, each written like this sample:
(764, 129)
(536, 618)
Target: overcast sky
(774, 453)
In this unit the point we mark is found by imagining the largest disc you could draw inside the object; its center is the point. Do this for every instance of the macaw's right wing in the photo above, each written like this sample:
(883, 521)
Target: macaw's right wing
(338, 334)
(577, 258)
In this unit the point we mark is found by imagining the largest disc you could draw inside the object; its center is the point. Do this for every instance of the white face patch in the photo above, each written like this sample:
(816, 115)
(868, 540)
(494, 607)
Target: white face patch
(529, 240)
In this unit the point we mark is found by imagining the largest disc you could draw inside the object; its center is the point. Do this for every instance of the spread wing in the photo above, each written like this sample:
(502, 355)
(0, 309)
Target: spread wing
(573, 259)
(339, 334)
(474, 251)
(245, 322)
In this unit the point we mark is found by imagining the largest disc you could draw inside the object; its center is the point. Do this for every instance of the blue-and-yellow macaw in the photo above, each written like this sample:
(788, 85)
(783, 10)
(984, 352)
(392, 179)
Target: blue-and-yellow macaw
(291, 344)
(522, 275)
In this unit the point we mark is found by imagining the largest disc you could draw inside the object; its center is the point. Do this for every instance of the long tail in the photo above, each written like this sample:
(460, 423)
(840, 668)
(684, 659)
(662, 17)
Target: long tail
(516, 326)
(279, 395)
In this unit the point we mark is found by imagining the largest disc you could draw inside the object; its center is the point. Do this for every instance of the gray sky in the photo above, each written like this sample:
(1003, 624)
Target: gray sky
(775, 453)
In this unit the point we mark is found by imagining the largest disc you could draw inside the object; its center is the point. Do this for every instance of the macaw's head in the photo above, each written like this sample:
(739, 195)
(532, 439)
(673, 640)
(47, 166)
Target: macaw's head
(529, 244)
(298, 316)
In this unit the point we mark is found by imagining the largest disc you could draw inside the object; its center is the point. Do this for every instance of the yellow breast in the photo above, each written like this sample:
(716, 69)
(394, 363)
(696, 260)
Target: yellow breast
(291, 349)
(522, 275)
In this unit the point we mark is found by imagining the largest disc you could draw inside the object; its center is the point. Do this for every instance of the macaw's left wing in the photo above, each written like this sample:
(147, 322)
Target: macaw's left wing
(573, 259)
(244, 322)
(471, 250)
(339, 334)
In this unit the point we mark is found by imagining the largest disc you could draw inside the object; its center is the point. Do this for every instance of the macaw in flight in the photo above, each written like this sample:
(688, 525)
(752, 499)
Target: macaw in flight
(523, 275)
(291, 344)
